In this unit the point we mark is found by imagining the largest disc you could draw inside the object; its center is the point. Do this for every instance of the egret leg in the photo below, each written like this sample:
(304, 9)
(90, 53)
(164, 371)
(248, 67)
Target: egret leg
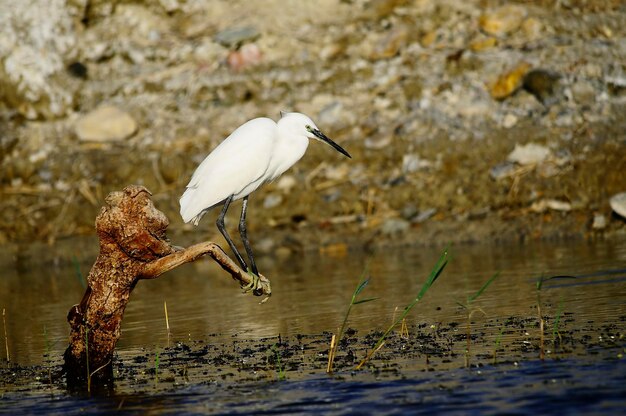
(220, 226)
(243, 231)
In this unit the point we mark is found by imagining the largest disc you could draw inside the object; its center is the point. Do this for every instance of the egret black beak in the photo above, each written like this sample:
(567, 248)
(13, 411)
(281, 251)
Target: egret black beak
(334, 145)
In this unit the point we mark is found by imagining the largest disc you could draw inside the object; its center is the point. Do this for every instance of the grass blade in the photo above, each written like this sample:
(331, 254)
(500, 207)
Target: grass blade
(485, 286)
(358, 302)
(363, 281)
(360, 287)
(434, 274)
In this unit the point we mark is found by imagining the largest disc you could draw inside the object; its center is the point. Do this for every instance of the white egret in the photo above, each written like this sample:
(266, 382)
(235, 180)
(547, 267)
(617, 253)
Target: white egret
(257, 152)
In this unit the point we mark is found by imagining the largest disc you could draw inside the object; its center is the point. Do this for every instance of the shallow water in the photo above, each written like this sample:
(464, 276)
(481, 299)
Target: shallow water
(530, 388)
(311, 293)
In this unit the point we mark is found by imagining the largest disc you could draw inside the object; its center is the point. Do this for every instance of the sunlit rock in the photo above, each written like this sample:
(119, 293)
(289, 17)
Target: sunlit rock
(502, 21)
(528, 154)
(550, 204)
(509, 82)
(599, 222)
(106, 123)
(618, 204)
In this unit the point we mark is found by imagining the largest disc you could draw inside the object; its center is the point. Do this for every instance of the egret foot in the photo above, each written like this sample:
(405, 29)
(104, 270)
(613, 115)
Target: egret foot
(253, 285)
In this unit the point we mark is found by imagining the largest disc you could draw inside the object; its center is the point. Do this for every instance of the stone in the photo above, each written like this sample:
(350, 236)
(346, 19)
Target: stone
(509, 82)
(334, 115)
(409, 211)
(378, 142)
(599, 222)
(532, 28)
(509, 120)
(553, 204)
(529, 154)
(502, 21)
(272, 201)
(502, 170)
(425, 215)
(286, 183)
(107, 123)
(618, 204)
(332, 51)
(412, 163)
(483, 43)
(234, 37)
(248, 55)
(584, 93)
(394, 226)
(389, 46)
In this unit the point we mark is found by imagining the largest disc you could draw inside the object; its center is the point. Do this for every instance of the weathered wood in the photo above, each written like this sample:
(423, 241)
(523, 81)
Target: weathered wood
(133, 246)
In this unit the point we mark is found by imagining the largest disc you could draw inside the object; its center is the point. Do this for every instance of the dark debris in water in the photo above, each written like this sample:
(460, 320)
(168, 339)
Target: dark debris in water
(184, 365)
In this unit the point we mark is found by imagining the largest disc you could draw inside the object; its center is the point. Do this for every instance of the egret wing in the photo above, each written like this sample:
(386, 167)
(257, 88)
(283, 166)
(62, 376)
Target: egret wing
(237, 166)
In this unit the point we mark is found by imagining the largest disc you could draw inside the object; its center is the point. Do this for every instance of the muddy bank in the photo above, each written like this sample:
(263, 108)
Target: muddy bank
(429, 347)
(433, 99)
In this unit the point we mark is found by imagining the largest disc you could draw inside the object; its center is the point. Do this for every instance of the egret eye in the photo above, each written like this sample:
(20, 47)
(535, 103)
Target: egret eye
(308, 128)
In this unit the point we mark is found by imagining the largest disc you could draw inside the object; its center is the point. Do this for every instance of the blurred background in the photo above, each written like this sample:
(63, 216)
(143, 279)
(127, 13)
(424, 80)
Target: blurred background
(474, 120)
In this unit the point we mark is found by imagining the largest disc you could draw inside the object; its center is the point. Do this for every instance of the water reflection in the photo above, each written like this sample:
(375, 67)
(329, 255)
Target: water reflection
(311, 292)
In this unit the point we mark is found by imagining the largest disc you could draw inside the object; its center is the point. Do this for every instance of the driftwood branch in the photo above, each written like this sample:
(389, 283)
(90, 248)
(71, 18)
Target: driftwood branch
(157, 267)
(133, 246)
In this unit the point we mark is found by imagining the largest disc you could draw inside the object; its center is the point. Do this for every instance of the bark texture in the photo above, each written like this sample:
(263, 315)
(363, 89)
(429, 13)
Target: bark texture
(133, 246)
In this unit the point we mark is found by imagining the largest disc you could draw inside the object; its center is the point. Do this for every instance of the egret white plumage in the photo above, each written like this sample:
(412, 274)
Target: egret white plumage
(257, 152)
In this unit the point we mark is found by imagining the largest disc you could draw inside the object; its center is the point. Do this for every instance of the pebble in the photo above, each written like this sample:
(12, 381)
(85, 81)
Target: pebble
(378, 142)
(193, 25)
(584, 93)
(502, 170)
(272, 200)
(409, 211)
(332, 51)
(390, 45)
(553, 204)
(509, 121)
(599, 222)
(234, 37)
(412, 163)
(483, 43)
(509, 82)
(618, 204)
(502, 21)
(333, 115)
(532, 28)
(425, 215)
(265, 245)
(394, 226)
(338, 172)
(107, 123)
(249, 55)
(286, 183)
(529, 154)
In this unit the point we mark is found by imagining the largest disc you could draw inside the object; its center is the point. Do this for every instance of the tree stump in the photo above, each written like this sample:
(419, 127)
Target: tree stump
(133, 246)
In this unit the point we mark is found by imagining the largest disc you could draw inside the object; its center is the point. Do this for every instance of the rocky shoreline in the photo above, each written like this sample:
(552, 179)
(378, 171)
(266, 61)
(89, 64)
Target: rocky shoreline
(468, 121)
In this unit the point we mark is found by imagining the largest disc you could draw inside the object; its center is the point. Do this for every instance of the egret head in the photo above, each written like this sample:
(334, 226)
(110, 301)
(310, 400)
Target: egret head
(302, 125)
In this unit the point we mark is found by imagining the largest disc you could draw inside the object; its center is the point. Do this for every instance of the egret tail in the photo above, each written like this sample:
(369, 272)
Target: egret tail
(189, 210)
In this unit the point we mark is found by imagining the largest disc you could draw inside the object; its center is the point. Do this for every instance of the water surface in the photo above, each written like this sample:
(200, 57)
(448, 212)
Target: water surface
(311, 293)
